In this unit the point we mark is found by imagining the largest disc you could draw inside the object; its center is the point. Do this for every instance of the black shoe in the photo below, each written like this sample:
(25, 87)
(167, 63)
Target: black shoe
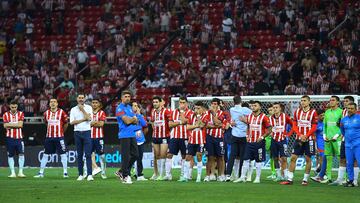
(349, 184)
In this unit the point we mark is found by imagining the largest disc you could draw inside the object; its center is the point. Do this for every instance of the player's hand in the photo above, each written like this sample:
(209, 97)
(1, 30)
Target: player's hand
(232, 123)
(183, 119)
(135, 120)
(87, 117)
(303, 138)
(259, 139)
(243, 119)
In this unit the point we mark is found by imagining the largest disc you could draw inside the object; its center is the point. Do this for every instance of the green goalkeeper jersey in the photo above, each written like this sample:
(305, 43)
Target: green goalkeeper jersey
(332, 123)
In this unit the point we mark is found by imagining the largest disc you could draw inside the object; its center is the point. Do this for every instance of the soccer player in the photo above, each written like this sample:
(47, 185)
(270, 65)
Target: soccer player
(127, 122)
(215, 140)
(350, 128)
(197, 138)
(238, 139)
(259, 128)
(342, 168)
(268, 141)
(332, 134)
(140, 140)
(178, 135)
(97, 135)
(320, 143)
(161, 133)
(304, 125)
(80, 117)
(279, 122)
(13, 123)
(57, 123)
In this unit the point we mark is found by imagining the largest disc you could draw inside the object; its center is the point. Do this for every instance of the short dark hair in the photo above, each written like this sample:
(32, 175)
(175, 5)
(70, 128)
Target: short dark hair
(96, 99)
(351, 98)
(306, 97)
(336, 97)
(216, 100)
(125, 92)
(157, 98)
(200, 103)
(276, 103)
(245, 104)
(257, 102)
(237, 99)
(13, 102)
(183, 98)
(353, 104)
(251, 101)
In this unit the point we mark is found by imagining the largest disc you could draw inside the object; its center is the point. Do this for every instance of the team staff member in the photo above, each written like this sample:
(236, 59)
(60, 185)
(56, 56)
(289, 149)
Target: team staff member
(127, 122)
(80, 117)
(238, 139)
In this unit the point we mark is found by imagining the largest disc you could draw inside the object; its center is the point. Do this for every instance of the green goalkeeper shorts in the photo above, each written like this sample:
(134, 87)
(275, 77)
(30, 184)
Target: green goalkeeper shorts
(268, 143)
(332, 148)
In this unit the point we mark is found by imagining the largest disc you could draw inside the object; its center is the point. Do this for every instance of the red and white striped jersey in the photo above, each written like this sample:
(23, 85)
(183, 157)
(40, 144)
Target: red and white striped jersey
(257, 126)
(279, 126)
(8, 117)
(217, 132)
(198, 135)
(303, 123)
(55, 123)
(180, 131)
(29, 105)
(344, 112)
(98, 132)
(160, 121)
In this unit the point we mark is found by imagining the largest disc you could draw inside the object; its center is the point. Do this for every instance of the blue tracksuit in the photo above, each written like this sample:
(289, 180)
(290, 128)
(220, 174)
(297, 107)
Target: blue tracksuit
(350, 128)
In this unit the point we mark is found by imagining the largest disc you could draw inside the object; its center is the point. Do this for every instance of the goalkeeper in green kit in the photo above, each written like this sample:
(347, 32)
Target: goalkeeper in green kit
(332, 134)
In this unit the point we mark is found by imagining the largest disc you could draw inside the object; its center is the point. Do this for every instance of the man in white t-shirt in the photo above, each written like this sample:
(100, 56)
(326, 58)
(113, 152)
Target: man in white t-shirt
(227, 24)
(80, 118)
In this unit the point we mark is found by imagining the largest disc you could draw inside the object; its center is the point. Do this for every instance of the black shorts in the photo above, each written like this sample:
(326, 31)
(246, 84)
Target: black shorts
(255, 151)
(176, 145)
(192, 149)
(215, 146)
(304, 148)
(160, 140)
(342, 150)
(54, 145)
(97, 146)
(278, 149)
(14, 146)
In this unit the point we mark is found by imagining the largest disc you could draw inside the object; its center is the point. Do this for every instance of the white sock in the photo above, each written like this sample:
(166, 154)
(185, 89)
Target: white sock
(168, 166)
(286, 173)
(64, 162)
(103, 163)
(84, 167)
(158, 162)
(258, 169)
(341, 174)
(43, 162)
(182, 168)
(306, 177)
(278, 172)
(356, 174)
(236, 168)
(245, 168)
(251, 169)
(186, 169)
(290, 176)
(21, 163)
(190, 172)
(11, 164)
(162, 167)
(199, 168)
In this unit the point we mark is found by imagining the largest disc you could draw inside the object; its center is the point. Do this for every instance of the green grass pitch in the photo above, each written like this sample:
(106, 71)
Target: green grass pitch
(53, 188)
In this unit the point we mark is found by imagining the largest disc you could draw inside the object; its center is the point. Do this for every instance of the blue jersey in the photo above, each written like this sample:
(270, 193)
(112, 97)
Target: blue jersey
(350, 128)
(125, 130)
(319, 131)
(140, 137)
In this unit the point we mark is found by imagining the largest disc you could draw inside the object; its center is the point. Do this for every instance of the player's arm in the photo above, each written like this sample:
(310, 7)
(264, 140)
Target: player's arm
(295, 125)
(18, 124)
(342, 129)
(142, 120)
(313, 125)
(325, 128)
(268, 128)
(120, 116)
(73, 121)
